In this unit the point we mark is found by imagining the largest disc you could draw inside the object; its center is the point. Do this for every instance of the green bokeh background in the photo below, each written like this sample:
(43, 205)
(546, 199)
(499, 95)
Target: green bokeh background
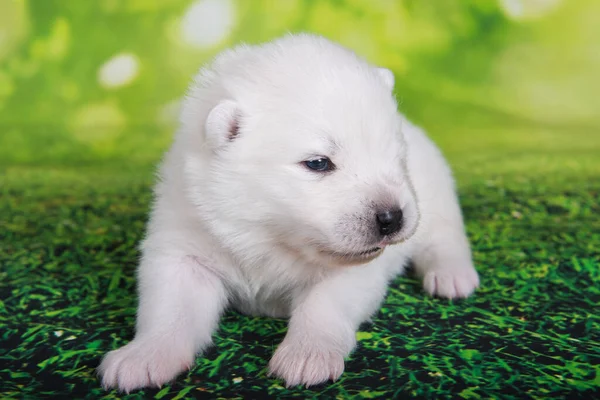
(460, 65)
(509, 89)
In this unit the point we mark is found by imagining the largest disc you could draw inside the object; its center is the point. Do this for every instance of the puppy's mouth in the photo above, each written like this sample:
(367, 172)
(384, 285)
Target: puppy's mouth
(352, 258)
(367, 252)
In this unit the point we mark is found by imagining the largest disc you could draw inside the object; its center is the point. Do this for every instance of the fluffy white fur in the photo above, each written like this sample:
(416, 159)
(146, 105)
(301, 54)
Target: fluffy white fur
(240, 221)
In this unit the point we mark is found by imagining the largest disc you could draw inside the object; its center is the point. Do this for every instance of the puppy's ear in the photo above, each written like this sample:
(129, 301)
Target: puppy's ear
(223, 124)
(387, 76)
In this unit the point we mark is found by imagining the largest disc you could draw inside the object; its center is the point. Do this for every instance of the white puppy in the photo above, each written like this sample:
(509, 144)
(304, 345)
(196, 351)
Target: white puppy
(293, 189)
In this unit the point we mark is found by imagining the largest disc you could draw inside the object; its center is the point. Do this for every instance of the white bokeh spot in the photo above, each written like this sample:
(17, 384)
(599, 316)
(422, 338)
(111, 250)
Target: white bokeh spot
(169, 113)
(120, 70)
(528, 9)
(207, 22)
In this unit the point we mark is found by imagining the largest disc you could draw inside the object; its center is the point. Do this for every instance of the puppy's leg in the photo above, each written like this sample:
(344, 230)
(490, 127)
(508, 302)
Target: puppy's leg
(180, 304)
(322, 328)
(442, 255)
(444, 261)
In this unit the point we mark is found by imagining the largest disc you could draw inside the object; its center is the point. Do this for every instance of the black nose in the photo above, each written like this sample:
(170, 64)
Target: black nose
(389, 222)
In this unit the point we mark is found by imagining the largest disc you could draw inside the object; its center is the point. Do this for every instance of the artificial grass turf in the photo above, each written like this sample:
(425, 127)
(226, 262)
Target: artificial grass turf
(68, 255)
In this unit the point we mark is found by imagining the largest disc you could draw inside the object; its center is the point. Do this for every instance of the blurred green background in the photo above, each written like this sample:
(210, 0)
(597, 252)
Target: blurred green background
(509, 89)
(98, 83)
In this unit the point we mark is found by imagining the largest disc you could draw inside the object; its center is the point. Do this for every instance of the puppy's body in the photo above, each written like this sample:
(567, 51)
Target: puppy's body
(242, 218)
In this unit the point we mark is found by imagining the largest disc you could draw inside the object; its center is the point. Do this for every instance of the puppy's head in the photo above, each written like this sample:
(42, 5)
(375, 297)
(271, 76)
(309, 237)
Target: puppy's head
(310, 158)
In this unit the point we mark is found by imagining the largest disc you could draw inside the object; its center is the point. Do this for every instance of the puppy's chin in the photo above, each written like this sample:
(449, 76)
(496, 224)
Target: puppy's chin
(327, 256)
(336, 258)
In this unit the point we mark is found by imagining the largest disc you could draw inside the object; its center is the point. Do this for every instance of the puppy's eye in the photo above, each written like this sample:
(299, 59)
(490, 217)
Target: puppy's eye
(321, 164)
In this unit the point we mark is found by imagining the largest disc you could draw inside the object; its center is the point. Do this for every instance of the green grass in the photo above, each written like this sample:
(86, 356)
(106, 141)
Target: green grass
(531, 198)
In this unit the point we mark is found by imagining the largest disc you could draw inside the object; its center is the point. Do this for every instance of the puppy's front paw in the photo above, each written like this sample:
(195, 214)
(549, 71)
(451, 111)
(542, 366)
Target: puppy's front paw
(305, 365)
(451, 283)
(141, 364)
